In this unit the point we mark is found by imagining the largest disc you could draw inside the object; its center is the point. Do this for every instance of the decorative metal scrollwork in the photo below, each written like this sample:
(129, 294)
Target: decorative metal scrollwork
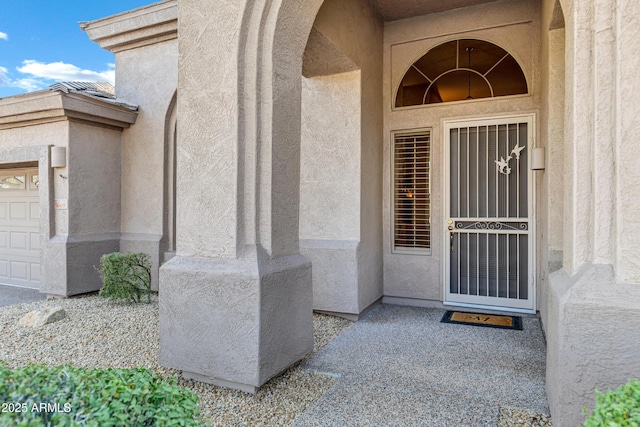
(492, 225)
(503, 164)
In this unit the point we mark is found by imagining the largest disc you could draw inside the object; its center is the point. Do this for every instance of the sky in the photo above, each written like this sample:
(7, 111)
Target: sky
(41, 43)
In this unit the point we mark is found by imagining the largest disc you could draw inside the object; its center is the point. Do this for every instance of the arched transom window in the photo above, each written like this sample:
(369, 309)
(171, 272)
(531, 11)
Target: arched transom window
(461, 70)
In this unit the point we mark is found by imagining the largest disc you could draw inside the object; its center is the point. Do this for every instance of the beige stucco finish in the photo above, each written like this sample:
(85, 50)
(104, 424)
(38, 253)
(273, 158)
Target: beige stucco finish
(341, 154)
(254, 130)
(146, 49)
(237, 242)
(285, 113)
(517, 26)
(245, 153)
(86, 222)
(331, 139)
(589, 345)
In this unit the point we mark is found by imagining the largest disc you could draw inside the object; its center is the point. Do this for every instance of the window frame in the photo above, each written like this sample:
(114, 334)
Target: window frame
(405, 250)
(17, 187)
(397, 87)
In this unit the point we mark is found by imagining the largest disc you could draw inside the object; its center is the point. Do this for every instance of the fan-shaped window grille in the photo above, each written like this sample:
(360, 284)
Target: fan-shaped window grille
(461, 70)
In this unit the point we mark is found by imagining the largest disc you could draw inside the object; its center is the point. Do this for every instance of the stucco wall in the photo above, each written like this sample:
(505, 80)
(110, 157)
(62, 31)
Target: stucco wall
(27, 143)
(627, 223)
(512, 25)
(147, 75)
(590, 346)
(330, 187)
(79, 203)
(56, 134)
(208, 141)
(330, 157)
(601, 170)
(93, 205)
(550, 189)
(553, 136)
(593, 339)
(238, 186)
(341, 160)
(93, 179)
(370, 250)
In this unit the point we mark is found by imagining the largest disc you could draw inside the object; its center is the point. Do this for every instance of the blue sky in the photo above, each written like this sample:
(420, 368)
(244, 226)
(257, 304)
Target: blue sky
(41, 42)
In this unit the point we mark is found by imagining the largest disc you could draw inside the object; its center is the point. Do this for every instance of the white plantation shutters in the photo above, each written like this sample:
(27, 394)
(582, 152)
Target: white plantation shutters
(411, 192)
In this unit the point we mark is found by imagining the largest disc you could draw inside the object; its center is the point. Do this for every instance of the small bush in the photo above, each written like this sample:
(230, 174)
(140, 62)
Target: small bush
(619, 408)
(36, 395)
(126, 276)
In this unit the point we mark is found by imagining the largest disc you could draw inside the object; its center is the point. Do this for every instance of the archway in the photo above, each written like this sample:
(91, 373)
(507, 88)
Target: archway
(237, 305)
(169, 205)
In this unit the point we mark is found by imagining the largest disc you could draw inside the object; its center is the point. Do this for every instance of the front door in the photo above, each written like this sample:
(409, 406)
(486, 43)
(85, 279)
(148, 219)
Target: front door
(489, 238)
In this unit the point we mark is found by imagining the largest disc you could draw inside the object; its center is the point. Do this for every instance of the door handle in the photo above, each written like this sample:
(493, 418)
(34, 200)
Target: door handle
(451, 237)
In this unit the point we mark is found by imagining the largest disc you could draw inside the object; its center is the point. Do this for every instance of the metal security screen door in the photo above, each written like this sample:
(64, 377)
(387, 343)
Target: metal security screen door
(489, 239)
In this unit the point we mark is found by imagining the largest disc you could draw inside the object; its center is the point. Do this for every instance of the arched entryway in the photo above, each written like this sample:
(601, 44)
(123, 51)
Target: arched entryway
(237, 304)
(237, 298)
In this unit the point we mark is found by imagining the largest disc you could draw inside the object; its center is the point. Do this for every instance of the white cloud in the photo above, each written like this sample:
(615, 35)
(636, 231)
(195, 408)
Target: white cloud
(60, 71)
(4, 79)
(26, 84)
(29, 84)
(4, 36)
(39, 75)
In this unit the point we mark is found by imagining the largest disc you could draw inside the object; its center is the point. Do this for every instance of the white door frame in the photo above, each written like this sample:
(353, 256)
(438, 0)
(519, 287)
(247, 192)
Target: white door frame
(530, 307)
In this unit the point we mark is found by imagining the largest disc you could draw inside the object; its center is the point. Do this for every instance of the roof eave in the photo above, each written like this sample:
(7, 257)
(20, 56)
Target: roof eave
(49, 106)
(144, 26)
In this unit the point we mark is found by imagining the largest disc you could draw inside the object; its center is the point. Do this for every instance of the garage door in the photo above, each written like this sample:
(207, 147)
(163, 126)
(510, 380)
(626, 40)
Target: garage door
(19, 228)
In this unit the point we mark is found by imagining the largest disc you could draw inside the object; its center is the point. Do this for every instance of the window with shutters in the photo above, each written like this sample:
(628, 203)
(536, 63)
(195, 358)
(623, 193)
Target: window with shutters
(412, 192)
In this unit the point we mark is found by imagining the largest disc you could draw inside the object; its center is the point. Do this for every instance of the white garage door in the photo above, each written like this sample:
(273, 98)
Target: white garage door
(19, 228)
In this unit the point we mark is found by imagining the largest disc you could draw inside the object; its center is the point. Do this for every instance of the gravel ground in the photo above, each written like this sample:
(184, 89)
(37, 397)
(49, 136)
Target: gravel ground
(101, 333)
(514, 417)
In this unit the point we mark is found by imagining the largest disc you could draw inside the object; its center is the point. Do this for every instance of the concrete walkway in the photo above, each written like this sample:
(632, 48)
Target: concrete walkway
(399, 366)
(10, 295)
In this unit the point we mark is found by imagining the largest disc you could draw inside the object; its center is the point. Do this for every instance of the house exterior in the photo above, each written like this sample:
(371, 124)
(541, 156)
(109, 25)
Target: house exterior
(279, 157)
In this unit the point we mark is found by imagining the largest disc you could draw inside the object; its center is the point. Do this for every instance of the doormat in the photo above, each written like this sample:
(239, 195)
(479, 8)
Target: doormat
(479, 319)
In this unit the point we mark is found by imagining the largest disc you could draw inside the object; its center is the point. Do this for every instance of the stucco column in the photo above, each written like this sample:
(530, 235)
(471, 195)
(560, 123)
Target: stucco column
(627, 160)
(235, 302)
(579, 128)
(593, 326)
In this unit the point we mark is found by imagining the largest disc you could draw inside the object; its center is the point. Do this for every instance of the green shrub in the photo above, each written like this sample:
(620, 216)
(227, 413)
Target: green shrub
(126, 276)
(617, 408)
(68, 396)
